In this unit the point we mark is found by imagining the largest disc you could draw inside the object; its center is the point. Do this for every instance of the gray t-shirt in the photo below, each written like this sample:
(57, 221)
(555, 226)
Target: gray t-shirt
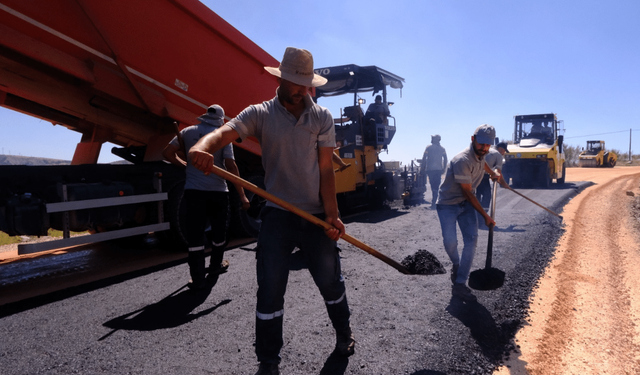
(196, 180)
(464, 168)
(289, 149)
(435, 157)
(494, 159)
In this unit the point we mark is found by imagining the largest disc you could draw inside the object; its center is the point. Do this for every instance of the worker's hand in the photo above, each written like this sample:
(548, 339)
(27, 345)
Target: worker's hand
(338, 229)
(245, 202)
(201, 160)
(488, 221)
(343, 167)
(495, 176)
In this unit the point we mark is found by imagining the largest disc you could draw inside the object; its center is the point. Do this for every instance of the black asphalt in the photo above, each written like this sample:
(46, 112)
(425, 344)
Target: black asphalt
(147, 322)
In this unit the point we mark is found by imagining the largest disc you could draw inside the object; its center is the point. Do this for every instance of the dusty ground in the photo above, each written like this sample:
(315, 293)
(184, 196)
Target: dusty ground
(585, 316)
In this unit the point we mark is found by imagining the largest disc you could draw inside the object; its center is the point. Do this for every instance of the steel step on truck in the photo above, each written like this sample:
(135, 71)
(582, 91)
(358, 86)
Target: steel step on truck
(123, 72)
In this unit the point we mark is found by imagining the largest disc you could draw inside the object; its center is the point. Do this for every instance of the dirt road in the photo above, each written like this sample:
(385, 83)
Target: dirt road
(585, 316)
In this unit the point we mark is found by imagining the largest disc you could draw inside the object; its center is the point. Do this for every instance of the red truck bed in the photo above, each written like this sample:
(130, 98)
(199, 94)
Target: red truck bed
(122, 71)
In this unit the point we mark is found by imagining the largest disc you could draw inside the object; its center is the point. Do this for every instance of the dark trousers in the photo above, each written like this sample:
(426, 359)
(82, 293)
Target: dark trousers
(434, 182)
(483, 193)
(202, 208)
(280, 233)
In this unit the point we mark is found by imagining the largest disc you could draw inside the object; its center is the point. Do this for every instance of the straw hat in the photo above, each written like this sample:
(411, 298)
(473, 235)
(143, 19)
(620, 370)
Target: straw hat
(297, 67)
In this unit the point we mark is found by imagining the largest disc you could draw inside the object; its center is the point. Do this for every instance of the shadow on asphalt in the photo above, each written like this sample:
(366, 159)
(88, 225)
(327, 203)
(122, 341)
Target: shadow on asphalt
(509, 229)
(335, 365)
(493, 340)
(373, 217)
(554, 186)
(172, 311)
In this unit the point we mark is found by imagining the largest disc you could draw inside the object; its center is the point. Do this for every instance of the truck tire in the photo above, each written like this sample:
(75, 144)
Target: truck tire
(564, 174)
(544, 179)
(247, 223)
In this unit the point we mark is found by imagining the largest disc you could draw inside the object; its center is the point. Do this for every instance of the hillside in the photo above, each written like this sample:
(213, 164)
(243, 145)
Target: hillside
(33, 160)
(30, 160)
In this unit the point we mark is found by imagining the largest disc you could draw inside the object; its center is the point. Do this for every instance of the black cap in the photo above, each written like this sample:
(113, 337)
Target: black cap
(503, 145)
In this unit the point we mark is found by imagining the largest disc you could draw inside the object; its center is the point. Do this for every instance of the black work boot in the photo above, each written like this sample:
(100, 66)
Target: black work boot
(268, 369)
(197, 270)
(217, 265)
(345, 343)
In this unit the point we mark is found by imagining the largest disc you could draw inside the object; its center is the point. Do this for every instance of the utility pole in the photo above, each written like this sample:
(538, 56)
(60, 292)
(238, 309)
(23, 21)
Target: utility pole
(629, 144)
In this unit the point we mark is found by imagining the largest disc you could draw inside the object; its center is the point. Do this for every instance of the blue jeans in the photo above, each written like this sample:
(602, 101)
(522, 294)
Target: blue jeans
(465, 215)
(282, 231)
(483, 192)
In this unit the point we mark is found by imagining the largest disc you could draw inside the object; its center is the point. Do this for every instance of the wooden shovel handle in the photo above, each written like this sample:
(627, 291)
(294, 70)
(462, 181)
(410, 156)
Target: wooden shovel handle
(536, 203)
(305, 215)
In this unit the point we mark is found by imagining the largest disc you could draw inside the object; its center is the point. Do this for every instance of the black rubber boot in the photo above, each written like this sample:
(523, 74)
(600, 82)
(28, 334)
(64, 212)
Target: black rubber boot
(215, 263)
(197, 270)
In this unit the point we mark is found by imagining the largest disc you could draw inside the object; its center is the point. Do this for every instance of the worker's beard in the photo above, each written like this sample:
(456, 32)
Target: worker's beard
(479, 150)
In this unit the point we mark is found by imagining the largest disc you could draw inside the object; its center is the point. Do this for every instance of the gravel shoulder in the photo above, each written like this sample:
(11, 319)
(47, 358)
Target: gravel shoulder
(584, 316)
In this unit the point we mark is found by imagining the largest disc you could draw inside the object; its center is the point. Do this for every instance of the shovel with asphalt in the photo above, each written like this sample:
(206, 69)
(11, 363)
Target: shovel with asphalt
(488, 278)
(305, 215)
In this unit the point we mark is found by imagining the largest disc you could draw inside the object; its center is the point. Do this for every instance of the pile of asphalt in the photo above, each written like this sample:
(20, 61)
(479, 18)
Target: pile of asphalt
(423, 263)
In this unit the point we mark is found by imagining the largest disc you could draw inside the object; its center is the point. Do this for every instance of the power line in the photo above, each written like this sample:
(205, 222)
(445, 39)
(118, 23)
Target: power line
(592, 135)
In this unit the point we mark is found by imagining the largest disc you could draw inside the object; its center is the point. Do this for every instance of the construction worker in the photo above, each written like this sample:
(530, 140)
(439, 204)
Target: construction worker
(457, 203)
(206, 198)
(378, 111)
(434, 161)
(297, 137)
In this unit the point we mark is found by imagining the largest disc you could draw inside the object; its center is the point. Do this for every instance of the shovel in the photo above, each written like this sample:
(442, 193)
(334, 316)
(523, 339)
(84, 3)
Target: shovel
(488, 278)
(305, 215)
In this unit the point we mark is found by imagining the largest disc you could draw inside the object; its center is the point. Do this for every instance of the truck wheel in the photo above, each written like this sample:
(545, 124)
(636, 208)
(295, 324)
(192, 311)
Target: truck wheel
(247, 223)
(612, 163)
(545, 178)
(564, 174)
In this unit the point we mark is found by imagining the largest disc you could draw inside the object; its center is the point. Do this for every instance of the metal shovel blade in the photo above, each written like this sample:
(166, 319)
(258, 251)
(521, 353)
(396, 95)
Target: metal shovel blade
(486, 279)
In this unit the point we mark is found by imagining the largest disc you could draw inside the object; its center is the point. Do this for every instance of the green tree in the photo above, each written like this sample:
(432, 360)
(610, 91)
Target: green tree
(571, 154)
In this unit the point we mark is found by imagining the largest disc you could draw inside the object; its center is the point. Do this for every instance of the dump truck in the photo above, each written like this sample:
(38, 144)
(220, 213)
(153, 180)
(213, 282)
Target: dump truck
(124, 72)
(121, 72)
(536, 157)
(596, 155)
(360, 135)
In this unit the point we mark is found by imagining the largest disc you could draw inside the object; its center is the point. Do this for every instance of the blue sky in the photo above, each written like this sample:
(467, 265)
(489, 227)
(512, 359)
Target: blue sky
(465, 63)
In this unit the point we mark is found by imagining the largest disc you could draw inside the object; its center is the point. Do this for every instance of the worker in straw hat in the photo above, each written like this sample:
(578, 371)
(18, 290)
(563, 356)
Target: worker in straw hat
(297, 137)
